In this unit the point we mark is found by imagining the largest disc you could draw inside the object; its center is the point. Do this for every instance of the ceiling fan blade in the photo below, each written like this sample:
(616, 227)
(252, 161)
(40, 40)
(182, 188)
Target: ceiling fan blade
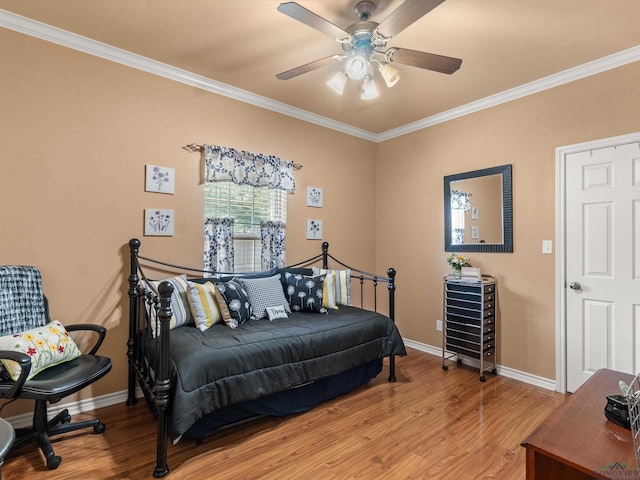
(298, 12)
(405, 15)
(429, 61)
(294, 72)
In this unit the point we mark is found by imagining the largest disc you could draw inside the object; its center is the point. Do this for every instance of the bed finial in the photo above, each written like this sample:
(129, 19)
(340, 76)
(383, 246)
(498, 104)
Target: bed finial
(391, 273)
(134, 243)
(325, 255)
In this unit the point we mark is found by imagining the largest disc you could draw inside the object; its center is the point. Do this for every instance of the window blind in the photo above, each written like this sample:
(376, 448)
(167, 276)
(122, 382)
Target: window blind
(248, 206)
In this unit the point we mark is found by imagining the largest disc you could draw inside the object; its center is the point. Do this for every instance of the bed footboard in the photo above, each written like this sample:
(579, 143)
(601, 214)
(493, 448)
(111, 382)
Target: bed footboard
(148, 354)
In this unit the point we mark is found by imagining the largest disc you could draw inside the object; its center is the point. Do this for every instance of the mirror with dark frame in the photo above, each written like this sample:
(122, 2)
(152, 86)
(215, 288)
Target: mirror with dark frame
(478, 211)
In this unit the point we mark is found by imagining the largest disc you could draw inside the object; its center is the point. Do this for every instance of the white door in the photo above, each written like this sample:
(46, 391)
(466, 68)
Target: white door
(602, 252)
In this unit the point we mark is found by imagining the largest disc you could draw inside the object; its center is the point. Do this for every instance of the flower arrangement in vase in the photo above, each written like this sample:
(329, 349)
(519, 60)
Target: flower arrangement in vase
(457, 262)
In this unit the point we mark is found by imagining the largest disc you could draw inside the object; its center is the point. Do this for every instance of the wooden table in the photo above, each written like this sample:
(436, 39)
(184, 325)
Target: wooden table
(577, 442)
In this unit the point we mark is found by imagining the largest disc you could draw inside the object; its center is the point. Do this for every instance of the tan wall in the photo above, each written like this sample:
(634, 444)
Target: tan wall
(525, 133)
(77, 132)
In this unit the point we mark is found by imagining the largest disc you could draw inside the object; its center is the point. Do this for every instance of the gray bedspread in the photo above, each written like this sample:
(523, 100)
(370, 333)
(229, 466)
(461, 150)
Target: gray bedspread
(224, 366)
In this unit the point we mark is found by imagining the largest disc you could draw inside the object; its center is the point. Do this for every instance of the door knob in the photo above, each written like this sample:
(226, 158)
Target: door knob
(575, 286)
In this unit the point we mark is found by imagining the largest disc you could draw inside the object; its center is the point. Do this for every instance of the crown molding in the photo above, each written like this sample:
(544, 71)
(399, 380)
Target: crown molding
(56, 35)
(83, 44)
(597, 66)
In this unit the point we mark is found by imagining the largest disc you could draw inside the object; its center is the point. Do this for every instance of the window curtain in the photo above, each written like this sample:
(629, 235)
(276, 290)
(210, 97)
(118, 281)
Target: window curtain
(223, 164)
(218, 244)
(272, 239)
(460, 203)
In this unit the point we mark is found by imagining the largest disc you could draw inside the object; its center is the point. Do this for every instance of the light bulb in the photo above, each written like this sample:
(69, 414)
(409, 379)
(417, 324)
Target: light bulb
(356, 66)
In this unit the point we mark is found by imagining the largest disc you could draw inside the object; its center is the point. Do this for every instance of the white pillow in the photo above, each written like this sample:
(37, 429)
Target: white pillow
(274, 313)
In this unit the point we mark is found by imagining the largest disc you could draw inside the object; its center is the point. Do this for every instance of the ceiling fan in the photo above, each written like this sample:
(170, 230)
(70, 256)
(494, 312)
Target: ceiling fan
(364, 44)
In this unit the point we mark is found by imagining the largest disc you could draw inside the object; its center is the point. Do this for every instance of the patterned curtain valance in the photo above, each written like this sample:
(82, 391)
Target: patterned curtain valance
(223, 164)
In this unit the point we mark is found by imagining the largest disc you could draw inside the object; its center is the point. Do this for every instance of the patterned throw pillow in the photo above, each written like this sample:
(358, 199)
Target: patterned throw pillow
(305, 293)
(263, 293)
(274, 313)
(343, 284)
(237, 301)
(179, 303)
(47, 346)
(203, 303)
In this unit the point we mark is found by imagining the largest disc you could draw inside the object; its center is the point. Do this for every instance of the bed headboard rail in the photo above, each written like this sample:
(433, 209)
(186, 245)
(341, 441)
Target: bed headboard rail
(362, 276)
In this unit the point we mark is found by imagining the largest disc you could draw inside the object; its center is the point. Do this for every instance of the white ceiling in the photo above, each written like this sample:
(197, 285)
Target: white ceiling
(504, 45)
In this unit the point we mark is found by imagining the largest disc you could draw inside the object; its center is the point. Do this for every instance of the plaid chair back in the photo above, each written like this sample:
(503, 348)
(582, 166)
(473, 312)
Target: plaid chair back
(22, 303)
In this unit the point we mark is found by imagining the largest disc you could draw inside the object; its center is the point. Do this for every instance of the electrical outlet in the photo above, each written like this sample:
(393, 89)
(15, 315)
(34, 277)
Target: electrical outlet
(547, 246)
(439, 325)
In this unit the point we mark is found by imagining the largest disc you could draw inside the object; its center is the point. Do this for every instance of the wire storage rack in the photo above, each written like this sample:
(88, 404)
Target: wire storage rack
(632, 393)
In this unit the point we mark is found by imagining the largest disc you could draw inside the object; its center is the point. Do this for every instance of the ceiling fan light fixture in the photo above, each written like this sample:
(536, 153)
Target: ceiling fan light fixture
(390, 74)
(337, 82)
(365, 42)
(369, 89)
(356, 66)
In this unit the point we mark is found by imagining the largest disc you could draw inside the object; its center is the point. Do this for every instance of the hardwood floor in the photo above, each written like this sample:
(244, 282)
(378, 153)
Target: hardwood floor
(431, 424)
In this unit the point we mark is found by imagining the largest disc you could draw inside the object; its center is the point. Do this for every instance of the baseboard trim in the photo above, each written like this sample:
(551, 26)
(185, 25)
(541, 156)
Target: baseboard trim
(525, 377)
(81, 406)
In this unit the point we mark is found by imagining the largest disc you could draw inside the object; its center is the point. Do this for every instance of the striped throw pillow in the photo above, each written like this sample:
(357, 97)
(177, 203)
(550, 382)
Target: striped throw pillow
(179, 303)
(342, 284)
(329, 292)
(204, 306)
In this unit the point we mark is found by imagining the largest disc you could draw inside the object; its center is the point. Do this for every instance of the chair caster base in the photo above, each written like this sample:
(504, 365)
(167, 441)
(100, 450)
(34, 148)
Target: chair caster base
(53, 462)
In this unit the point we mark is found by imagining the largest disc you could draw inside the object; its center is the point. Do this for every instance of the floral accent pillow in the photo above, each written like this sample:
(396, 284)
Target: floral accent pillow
(237, 300)
(47, 346)
(305, 293)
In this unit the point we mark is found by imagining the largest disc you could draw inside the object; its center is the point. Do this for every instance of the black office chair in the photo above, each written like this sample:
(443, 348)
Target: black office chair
(24, 307)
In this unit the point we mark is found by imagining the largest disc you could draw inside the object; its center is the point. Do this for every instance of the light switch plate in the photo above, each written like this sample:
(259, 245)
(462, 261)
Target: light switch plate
(547, 246)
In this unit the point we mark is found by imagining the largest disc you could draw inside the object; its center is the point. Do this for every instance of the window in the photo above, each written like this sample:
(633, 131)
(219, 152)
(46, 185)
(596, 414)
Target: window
(460, 204)
(248, 206)
(457, 226)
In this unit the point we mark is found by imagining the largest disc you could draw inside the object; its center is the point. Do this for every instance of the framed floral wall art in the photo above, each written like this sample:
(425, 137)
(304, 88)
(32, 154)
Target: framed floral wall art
(160, 179)
(314, 197)
(158, 222)
(314, 229)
